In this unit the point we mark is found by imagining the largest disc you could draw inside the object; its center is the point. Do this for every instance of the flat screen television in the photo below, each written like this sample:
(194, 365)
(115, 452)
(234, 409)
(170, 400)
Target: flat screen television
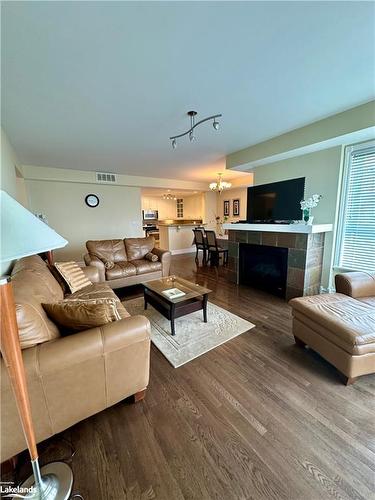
(275, 202)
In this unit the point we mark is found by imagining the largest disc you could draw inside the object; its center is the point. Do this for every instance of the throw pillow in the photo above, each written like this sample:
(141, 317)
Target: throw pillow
(77, 315)
(108, 264)
(152, 257)
(73, 275)
(60, 280)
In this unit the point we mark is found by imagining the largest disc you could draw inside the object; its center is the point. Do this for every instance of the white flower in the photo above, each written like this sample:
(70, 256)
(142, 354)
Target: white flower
(311, 202)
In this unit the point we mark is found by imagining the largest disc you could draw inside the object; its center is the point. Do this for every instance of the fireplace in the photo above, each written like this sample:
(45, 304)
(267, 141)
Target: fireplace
(264, 267)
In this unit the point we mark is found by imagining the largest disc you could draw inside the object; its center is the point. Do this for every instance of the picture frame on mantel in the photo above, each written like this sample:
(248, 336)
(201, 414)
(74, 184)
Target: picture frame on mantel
(236, 207)
(226, 208)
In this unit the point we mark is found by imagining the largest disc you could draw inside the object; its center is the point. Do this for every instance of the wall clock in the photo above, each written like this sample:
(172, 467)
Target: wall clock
(92, 200)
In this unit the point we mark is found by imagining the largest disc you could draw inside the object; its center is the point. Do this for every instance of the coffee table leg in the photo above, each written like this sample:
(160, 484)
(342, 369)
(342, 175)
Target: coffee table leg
(205, 300)
(145, 302)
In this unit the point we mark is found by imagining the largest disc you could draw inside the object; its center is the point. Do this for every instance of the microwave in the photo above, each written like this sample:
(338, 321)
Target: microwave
(150, 214)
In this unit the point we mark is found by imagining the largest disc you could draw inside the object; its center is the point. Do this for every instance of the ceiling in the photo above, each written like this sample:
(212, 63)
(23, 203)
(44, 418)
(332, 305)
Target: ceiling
(102, 85)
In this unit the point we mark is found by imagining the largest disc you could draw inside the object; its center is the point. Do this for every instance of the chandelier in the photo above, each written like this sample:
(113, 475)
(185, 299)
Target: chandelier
(220, 185)
(192, 115)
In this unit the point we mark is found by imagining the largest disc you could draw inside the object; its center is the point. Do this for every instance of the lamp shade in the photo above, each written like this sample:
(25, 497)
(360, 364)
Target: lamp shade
(22, 233)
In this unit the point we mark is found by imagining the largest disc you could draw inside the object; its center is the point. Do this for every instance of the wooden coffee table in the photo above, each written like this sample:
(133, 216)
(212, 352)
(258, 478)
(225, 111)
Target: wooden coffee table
(195, 298)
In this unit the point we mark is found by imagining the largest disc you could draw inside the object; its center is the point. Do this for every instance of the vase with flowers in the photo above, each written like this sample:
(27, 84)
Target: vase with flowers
(307, 206)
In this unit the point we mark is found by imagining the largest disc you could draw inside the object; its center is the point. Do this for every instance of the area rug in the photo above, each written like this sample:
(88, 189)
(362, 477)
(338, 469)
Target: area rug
(193, 337)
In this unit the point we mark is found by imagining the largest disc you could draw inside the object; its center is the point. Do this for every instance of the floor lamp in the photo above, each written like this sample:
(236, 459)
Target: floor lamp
(23, 234)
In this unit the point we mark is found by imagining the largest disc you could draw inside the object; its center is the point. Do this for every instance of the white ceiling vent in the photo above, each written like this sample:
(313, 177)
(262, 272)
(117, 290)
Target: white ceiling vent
(103, 177)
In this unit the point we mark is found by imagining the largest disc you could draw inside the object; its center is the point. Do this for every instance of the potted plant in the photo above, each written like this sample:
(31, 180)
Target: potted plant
(308, 205)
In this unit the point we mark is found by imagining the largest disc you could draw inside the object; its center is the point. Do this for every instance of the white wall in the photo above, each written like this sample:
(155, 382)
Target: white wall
(322, 171)
(8, 167)
(209, 209)
(9, 181)
(193, 206)
(232, 194)
(117, 216)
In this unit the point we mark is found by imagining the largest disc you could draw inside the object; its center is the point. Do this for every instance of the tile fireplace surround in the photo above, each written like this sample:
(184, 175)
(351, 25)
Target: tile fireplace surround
(305, 246)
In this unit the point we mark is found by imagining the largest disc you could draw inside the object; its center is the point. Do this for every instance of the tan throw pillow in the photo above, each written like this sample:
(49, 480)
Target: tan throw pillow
(73, 275)
(152, 257)
(77, 315)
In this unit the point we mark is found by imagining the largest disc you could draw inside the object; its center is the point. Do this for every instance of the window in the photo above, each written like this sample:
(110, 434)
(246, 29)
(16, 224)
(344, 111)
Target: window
(356, 232)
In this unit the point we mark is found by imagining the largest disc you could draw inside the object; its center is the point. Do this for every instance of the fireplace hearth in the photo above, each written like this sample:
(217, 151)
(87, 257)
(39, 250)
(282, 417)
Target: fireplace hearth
(264, 267)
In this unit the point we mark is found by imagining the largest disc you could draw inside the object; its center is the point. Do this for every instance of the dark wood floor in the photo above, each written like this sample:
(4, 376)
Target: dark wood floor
(257, 418)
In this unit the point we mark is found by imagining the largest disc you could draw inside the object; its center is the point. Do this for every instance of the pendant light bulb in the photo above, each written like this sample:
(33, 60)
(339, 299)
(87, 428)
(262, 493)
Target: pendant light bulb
(191, 136)
(174, 144)
(216, 125)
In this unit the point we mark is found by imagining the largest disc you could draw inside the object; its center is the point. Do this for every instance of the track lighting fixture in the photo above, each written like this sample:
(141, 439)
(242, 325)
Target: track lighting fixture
(190, 132)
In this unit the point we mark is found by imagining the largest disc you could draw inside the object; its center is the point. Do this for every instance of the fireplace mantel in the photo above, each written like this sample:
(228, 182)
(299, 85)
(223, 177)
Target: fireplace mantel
(280, 228)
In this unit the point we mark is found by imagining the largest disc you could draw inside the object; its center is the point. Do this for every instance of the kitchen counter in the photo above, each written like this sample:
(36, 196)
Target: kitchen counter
(177, 238)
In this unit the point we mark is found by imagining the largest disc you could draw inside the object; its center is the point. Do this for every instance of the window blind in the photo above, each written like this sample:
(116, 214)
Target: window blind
(357, 248)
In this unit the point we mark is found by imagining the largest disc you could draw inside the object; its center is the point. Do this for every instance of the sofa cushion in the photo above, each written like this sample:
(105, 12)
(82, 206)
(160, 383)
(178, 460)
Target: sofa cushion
(345, 321)
(144, 266)
(36, 265)
(368, 300)
(78, 315)
(137, 248)
(33, 284)
(120, 270)
(99, 291)
(94, 291)
(73, 275)
(31, 263)
(110, 250)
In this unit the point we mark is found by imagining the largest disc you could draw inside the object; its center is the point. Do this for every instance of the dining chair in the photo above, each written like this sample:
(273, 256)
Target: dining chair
(214, 250)
(200, 244)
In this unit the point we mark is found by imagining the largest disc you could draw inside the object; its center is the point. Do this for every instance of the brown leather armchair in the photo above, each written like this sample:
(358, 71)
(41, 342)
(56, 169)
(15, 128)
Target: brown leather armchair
(70, 378)
(340, 326)
(123, 263)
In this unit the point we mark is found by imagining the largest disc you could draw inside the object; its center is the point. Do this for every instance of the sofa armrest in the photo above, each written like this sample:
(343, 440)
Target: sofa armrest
(165, 259)
(356, 284)
(91, 273)
(97, 263)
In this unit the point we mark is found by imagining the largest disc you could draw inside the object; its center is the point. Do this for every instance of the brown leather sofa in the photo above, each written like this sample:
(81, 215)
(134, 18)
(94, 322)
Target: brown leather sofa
(340, 326)
(73, 377)
(123, 262)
